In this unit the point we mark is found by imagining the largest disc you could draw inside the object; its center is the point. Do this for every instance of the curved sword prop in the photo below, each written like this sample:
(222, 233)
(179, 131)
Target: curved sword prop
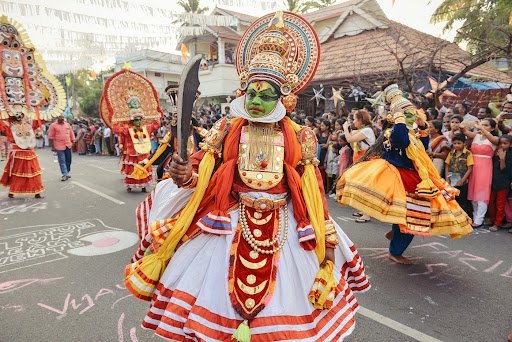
(189, 83)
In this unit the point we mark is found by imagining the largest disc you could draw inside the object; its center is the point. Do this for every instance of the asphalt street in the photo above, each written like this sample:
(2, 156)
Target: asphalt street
(62, 260)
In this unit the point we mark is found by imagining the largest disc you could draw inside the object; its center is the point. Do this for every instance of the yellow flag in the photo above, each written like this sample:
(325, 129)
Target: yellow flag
(392, 2)
(184, 51)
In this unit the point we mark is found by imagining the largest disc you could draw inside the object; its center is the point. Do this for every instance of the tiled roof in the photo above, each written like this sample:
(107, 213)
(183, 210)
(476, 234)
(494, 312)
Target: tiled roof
(224, 32)
(240, 16)
(330, 11)
(369, 54)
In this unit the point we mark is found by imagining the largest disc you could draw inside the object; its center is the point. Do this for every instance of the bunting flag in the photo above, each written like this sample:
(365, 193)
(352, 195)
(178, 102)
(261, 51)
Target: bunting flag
(184, 52)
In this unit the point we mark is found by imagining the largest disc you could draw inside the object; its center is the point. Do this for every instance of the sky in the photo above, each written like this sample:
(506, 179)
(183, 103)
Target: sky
(413, 13)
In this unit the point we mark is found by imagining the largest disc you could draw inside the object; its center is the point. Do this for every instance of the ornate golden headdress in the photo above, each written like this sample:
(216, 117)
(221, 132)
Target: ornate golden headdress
(282, 48)
(127, 95)
(25, 84)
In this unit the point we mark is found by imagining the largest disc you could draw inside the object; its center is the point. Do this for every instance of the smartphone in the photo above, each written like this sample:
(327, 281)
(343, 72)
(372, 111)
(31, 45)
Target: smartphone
(506, 116)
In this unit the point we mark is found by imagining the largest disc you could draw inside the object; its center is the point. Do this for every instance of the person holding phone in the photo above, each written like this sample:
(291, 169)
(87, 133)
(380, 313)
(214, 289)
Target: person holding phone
(505, 114)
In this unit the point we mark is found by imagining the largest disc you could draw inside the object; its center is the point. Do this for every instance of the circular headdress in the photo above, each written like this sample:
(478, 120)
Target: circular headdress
(104, 113)
(128, 94)
(26, 85)
(282, 48)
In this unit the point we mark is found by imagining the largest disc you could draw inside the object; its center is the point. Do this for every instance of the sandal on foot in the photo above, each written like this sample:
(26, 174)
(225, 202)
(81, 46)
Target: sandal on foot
(362, 220)
(38, 196)
(11, 196)
(357, 214)
(494, 228)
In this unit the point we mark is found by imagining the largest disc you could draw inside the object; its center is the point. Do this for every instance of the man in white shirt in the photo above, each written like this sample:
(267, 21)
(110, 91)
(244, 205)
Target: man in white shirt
(463, 108)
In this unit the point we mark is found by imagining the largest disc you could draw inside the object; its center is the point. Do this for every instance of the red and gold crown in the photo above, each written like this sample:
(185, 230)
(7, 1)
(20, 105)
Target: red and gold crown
(282, 48)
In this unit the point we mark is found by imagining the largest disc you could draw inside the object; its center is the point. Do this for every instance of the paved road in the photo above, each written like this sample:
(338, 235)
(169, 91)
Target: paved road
(62, 261)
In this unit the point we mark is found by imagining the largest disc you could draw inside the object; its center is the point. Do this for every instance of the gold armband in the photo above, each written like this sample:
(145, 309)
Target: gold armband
(399, 118)
(329, 227)
(332, 239)
(308, 145)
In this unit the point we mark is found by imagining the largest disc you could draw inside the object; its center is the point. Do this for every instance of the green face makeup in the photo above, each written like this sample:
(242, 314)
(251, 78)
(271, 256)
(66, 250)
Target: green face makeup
(410, 117)
(260, 99)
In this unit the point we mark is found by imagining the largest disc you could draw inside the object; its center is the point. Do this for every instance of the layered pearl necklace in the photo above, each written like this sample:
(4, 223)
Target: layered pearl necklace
(256, 244)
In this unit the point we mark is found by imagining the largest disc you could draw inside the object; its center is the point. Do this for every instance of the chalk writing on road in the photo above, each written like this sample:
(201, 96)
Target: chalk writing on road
(34, 245)
(22, 208)
(445, 272)
(9, 286)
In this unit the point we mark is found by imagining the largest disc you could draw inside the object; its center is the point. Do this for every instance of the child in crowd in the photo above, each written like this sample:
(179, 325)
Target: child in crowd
(333, 167)
(331, 163)
(454, 127)
(502, 163)
(447, 119)
(458, 167)
(88, 141)
(345, 159)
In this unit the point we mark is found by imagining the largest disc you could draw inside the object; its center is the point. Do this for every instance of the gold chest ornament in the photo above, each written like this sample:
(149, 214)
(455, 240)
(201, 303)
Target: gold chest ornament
(140, 139)
(261, 157)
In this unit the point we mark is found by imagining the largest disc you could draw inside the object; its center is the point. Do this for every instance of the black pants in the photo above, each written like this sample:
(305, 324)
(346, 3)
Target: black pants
(107, 142)
(462, 199)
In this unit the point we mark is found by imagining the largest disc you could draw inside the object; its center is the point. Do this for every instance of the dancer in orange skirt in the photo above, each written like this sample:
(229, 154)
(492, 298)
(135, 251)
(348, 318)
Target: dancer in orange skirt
(396, 182)
(22, 174)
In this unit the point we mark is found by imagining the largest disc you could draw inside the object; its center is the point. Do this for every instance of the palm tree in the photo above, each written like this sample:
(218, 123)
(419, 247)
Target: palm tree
(192, 6)
(296, 6)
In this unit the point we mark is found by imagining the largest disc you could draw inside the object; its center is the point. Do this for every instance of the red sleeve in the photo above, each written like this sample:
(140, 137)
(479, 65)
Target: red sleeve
(155, 125)
(4, 127)
(119, 130)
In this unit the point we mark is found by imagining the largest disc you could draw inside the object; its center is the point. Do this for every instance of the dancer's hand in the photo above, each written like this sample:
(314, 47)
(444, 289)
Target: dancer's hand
(179, 172)
(329, 255)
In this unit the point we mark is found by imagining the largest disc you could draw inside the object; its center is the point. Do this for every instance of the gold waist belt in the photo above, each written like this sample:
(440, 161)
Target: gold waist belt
(262, 204)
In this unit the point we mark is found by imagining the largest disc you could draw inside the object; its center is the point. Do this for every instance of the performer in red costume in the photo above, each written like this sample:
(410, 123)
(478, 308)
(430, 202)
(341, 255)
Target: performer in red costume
(130, 101)
(29, 94)
(137, 146)
(22, 173)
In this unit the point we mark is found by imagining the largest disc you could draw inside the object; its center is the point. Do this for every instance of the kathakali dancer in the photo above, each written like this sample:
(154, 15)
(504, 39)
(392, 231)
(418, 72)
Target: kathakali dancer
(169, 143)
(131, 100)
(29, 94)
(249, 249)
(396, 182)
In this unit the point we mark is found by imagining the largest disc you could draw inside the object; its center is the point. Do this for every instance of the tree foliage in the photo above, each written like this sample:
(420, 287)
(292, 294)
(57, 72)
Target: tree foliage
(192, 6)
(296, 6)
(320, 3)
(486, 25)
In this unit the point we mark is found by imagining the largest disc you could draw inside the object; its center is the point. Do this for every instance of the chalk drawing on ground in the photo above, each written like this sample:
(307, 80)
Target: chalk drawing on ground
(35, 245)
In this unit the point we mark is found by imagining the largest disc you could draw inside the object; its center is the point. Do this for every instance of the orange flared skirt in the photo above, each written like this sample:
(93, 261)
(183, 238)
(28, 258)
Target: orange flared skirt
(386, 193)
(127, 169)
(22, 174)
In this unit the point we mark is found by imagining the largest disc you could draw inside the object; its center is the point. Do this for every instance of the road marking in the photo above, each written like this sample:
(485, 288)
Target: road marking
(417, 335)
(102, 168)
(99, 193)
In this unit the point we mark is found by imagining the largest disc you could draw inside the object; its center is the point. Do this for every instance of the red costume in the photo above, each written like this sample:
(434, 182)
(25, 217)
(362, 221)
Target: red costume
(136, 150)
(22, 173)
